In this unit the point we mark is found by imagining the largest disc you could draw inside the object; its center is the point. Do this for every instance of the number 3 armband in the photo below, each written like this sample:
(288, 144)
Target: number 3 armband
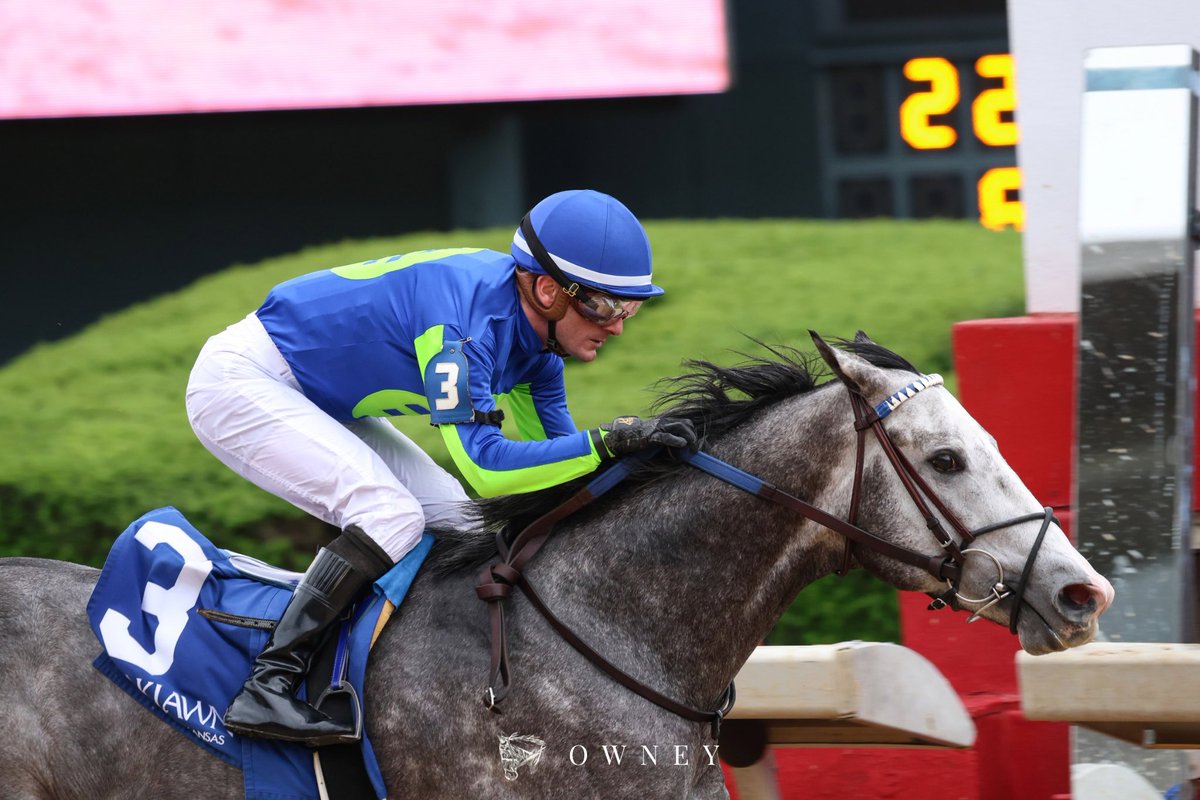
(447, 386)
(449, 392)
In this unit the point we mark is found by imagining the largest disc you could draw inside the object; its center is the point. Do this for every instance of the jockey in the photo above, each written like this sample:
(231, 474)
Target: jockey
(293, 398)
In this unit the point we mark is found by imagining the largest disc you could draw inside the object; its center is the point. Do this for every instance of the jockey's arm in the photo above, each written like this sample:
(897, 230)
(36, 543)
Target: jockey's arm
(539, 406)
(495, 465)
(553, 451)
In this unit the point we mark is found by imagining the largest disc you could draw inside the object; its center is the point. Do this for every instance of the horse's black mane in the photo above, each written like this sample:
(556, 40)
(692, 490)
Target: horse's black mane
(714, 398)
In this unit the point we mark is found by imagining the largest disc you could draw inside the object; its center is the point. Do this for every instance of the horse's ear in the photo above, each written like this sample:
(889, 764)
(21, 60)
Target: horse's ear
(861, 338)
(834, 359)
(852, 370)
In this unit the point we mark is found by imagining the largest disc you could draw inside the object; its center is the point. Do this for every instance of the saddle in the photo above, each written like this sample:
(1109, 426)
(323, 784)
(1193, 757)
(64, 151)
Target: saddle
(180, 622)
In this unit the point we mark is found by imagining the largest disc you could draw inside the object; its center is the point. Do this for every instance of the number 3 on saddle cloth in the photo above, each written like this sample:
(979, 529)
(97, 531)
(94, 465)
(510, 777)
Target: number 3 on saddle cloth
(181, 621)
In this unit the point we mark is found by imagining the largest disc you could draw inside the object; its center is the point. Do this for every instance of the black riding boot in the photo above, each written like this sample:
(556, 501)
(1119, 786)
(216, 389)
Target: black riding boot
(267, 706)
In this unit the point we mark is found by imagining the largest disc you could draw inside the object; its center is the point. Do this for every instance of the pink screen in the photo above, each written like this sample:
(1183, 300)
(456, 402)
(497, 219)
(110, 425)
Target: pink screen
(101, 57)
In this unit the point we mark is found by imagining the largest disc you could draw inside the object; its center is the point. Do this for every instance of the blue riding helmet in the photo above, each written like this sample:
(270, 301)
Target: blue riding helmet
(594, 240)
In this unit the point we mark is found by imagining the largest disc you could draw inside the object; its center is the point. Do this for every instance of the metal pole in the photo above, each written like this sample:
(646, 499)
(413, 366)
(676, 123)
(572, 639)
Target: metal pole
(1136, 336)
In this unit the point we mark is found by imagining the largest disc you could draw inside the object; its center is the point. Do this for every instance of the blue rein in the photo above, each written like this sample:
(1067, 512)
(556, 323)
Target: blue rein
(699, 459)
(722, 470)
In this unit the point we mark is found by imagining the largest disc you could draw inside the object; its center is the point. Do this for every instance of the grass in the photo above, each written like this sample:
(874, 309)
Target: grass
(95, 432)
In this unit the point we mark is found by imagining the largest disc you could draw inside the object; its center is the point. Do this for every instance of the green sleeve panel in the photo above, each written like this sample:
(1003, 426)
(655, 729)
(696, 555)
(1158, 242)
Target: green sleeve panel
(428, 345)
(520, 402)
(391, 403)
(490, 483)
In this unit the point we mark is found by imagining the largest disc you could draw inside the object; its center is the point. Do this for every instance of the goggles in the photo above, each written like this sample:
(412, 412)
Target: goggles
(602, 308)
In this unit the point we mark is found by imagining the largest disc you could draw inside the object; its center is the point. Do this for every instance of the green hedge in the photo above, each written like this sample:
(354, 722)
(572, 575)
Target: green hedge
(95, 432)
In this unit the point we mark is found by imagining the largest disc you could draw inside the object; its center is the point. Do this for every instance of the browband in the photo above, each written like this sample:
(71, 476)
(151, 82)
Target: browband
(893, 401)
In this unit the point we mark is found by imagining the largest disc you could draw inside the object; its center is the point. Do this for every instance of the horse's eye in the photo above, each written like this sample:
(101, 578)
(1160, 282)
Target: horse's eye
(946, 461)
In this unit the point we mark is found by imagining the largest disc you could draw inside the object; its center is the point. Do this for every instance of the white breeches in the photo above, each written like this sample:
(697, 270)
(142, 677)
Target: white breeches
(245, 406)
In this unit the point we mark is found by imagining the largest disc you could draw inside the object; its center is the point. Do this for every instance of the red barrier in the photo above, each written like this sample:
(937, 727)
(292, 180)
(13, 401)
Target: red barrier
(1017, 378)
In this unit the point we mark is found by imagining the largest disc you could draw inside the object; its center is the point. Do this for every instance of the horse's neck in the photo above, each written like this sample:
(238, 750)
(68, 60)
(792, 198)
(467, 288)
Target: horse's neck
(689, 574)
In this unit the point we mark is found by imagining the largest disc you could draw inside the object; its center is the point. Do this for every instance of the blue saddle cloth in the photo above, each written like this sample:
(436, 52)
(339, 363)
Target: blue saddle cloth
(171, 612)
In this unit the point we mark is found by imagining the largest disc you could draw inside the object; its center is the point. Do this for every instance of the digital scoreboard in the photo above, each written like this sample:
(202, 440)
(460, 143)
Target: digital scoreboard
(917, 109)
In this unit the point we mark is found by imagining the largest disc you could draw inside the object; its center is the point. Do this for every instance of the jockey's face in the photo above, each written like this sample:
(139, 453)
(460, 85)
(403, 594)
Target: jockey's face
(582, 338)
(577, 335)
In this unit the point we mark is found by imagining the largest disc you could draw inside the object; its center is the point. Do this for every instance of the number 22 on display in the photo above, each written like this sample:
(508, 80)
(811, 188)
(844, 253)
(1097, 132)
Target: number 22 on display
(988, 118)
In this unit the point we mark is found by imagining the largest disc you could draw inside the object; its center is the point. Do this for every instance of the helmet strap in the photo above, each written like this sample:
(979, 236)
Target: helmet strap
(567, 287)
(552, 344)
(543, 257)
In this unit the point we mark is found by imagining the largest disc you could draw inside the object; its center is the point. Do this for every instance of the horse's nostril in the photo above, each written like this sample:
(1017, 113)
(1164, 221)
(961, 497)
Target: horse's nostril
(1078, 594)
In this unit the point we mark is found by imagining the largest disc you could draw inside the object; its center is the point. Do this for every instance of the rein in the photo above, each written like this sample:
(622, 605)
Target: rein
(496, 581)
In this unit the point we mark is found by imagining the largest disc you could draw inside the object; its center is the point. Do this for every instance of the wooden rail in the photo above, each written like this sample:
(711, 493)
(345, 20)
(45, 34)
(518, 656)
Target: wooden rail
(854, 694)
(1147, 693)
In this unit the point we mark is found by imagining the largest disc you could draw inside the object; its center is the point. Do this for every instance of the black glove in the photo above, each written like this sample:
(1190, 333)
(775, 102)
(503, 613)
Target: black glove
(625, 435)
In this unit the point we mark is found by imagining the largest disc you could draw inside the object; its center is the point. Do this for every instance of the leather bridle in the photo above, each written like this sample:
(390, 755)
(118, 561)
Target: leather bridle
(496, 581)
(952, 564)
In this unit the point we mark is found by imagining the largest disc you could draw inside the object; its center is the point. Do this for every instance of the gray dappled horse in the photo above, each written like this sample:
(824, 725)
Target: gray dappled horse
(674, 576)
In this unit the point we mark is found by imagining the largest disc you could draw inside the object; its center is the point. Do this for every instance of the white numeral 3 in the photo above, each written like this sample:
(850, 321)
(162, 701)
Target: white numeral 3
(170, 606)
(449, 386)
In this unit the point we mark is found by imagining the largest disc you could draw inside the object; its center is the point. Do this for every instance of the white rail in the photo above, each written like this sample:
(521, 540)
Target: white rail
(1147, 693)
(854, 694)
